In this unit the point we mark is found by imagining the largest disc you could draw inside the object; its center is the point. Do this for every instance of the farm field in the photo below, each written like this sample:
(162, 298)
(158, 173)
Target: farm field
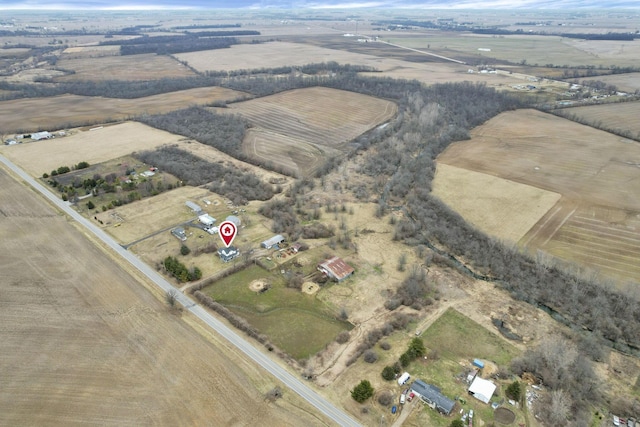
(590, 168)
(128, 67)
(322, 116)
(89, 52)
(94, 147)
(533, 49)
(297, 157)
(298, 129)
(276, 54)
(73, 110)
(84, 341)
(629, 82)
(623, 116)
(499, 207)
(294, 321)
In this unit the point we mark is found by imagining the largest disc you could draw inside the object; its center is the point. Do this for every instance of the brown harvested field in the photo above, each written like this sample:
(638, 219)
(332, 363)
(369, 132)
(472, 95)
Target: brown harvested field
(499, 207)
(607, 52)
(95, 146)
(590, 168)
(147, 66)
(35, 114)
(84, 342)
(89, 52)
(323, 116)
(298, 157)
(603, 238)
(277, 54)
(622, 116)
(629, 82)
(298, 129)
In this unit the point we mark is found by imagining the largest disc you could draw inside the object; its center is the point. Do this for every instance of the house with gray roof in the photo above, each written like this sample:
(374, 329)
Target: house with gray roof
(431, 395)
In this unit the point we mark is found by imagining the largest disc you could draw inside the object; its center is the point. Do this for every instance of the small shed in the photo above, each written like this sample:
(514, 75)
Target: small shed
(234, 219)
(275, 240)
(194, 207)
(478, 363)
(482, 389)
(179, 233)
(207, 220)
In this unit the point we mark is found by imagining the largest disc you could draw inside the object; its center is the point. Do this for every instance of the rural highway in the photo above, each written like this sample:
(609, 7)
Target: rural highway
(291, 381)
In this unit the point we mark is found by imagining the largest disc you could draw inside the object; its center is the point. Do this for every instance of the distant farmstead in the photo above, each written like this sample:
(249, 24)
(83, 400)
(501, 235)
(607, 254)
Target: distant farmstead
(336, 269)
(41, 135)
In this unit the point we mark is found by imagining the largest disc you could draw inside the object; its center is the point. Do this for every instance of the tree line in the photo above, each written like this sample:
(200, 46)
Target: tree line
(237, 185)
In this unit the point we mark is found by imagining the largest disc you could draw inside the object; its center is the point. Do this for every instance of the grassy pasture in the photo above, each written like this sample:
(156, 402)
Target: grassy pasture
(34, 114)
(499, 207)
(590, 168)
(297, 323)
(129, 67)
(458, 340)
(621, 116)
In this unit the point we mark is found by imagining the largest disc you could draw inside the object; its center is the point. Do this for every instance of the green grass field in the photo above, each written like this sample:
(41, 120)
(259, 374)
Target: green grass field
(455, 336)
(458, 340)
(296, 322)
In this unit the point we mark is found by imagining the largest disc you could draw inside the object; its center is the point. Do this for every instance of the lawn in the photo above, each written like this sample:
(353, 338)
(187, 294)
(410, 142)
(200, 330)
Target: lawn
(458, 340)
(297, 323)
(455, 336)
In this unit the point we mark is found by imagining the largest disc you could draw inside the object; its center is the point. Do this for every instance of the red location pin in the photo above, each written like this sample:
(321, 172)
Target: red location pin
(227, 231)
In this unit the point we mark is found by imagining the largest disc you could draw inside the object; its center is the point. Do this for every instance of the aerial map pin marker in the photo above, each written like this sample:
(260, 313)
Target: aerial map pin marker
(227, 231)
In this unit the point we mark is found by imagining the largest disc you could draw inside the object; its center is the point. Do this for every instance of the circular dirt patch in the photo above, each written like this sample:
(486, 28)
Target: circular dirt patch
(310, 288)
(258, 285)
(504, 416)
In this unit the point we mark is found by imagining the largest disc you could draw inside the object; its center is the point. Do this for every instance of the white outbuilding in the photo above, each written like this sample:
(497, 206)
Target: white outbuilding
(482, 389)
(207, 220)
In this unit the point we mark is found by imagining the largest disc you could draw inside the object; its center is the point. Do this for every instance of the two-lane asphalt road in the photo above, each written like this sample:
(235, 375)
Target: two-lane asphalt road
(291, 381)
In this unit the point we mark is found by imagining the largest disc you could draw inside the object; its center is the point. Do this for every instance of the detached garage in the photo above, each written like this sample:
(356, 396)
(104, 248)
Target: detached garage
(482, 389)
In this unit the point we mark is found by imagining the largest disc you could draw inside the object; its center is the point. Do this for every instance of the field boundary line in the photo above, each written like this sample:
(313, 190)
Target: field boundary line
(559, 226)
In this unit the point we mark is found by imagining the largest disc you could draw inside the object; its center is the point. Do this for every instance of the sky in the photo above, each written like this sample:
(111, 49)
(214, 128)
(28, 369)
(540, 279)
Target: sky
(314, 4)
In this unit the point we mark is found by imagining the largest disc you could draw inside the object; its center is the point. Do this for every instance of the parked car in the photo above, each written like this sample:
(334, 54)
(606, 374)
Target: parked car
(411, 396)
(394, 409)
(402, 398)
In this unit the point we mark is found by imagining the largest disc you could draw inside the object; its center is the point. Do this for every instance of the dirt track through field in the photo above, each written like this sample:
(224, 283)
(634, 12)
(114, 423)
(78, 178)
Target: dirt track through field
(85, 342)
